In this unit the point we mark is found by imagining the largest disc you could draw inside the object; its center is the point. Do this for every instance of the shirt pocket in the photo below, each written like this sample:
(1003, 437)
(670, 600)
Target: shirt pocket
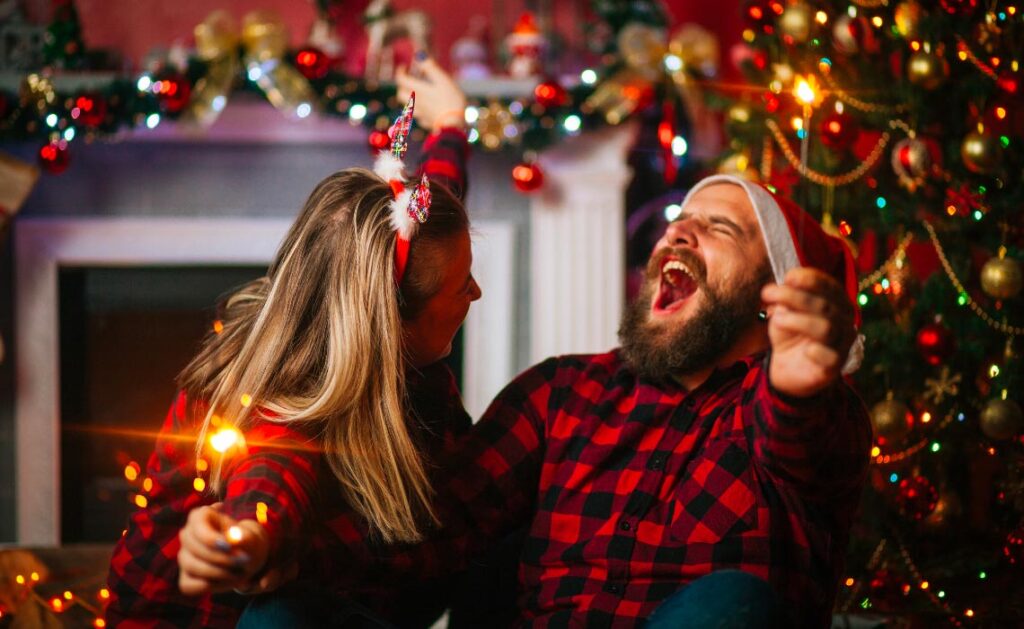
(715, 497)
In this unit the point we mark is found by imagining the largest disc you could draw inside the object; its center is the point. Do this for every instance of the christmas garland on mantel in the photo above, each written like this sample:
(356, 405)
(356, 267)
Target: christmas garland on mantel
(640, 66)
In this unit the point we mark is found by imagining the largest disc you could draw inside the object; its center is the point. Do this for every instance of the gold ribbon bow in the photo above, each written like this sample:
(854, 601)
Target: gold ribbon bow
(264, 42)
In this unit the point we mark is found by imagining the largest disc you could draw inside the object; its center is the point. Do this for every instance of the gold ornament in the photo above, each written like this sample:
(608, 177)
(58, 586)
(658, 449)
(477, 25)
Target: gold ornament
(37, 89)
(642, 48)
(1001, 277)
(891, 419)
(266, 40)
(217, 45)
(739, 164)
(981, 153)
(908, 17)
(936, 389)
(739, 118)
(620, 95)
(796, 22)
(698, 49)
(927, 70)
(491, 125)
(1001, 419)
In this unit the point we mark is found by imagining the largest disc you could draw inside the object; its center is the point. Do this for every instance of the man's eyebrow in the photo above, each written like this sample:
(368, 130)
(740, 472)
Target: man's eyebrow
(716, 219)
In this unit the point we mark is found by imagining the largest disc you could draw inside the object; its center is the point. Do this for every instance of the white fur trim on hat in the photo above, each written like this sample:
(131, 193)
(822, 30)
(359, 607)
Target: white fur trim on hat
(404, 224)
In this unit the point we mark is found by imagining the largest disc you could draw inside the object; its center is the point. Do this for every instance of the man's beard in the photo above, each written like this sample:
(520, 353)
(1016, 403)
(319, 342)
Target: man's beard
(688, 347)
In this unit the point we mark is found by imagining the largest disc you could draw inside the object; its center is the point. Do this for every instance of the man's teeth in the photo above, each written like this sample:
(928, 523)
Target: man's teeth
(676, 265)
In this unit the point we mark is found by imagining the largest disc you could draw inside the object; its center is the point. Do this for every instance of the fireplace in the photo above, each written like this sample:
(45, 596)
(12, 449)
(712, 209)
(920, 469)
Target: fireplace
(90, 297)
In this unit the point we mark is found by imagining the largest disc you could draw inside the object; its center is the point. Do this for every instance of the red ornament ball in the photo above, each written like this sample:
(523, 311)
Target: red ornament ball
(172, 91)
(838, 131)
(1010, 82)
(917, 497)
(312, 63)
(54, 157)
(90, 110)
(1013, 548)
(935, 342)
(527, 177)
(379, 140)
(550, 94)
(959, 8)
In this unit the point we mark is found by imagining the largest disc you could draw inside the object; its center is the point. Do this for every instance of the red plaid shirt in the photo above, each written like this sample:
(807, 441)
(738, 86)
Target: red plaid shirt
(631, 488)
(284, 470)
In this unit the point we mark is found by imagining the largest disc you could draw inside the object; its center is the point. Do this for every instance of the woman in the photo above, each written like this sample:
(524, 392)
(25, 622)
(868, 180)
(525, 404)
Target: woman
(328, 367)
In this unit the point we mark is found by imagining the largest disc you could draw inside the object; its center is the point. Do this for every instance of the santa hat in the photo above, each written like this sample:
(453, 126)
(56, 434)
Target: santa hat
(794, 238)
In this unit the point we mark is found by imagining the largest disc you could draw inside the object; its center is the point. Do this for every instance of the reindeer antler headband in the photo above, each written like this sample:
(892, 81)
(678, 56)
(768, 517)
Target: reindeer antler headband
(410, 207)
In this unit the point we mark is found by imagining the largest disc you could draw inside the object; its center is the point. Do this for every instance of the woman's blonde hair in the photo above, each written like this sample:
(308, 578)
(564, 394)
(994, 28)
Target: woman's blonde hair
(319, 341)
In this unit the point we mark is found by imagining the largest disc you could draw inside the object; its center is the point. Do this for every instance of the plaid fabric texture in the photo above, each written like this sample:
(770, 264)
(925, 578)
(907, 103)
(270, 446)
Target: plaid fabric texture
(631, 488)
(283, 469)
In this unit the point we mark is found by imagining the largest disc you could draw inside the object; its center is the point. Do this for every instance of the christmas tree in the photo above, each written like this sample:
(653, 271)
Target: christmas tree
(901, 124)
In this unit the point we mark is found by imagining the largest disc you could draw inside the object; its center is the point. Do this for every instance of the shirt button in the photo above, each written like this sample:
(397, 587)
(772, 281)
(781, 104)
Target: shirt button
(624, 525)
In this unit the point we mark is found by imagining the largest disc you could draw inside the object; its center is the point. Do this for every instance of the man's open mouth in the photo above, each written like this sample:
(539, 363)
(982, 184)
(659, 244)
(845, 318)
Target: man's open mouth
(678, 283)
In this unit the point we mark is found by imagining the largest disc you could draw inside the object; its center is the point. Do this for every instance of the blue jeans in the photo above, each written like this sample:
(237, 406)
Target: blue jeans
(726, 599)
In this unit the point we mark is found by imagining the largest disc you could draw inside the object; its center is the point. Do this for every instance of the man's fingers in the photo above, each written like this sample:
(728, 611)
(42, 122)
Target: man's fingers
(825, 356)
(812, 326)
(795, 299)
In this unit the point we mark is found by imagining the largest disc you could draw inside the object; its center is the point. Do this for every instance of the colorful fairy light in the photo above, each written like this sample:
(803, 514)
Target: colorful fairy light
(234, 534)
(225, 439)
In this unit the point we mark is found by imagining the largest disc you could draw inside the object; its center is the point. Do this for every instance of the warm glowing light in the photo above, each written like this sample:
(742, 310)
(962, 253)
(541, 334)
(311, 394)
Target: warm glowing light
(246, 400)
(57, 605)
(68, 595)
(202, 465)
(235, 534)
(104, 593)
(877, 21)
(140, 501)
(969, 613)
(34, 576)
(20, 579)
(821, 17)
(797, 122)
(261, 512)
(99, 622)
(915, 46)
(199, 484)
(844, 228)
(951, 210)
(1001, 112)
(218, 326)
(924, 585)
(926, 417)
(225, 439)
(993, 371)
(875, 451)
(962, 55)
(805, 92)
(850, 582)
(147, 485)
(131, 471)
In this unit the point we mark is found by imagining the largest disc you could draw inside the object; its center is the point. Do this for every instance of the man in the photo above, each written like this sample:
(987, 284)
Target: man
(719, 436)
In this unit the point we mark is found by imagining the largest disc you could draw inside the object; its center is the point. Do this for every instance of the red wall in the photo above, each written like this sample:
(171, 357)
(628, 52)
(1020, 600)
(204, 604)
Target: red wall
(135, 27)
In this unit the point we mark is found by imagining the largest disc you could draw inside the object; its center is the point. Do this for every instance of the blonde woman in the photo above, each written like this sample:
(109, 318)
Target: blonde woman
(329, 368)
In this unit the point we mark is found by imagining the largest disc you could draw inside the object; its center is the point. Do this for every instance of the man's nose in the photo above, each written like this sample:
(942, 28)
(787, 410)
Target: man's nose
(680, 233)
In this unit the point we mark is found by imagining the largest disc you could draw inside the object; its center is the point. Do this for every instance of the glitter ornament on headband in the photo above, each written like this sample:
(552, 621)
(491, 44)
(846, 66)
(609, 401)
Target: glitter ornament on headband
(410, 207)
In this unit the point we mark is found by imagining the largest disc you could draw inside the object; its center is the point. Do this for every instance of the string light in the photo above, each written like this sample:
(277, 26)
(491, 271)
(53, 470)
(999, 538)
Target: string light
(225, 439)
(234, 534)
(199, 484)
(261, 512)
(246, 400)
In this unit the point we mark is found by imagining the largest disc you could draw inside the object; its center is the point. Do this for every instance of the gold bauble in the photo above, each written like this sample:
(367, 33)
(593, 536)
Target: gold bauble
(1001, 278)
(908, 17)
(1001, 419)
(643, 48)
(927, 70)
(264, 35)
(891, 419)
(796, 22)
(981, 153)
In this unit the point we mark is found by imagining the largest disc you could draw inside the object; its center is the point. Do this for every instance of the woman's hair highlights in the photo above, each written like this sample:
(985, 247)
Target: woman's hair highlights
(319, 341)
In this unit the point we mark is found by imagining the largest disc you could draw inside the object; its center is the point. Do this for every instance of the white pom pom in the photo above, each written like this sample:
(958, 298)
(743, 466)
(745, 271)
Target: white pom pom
(388, 167)
(400, 219)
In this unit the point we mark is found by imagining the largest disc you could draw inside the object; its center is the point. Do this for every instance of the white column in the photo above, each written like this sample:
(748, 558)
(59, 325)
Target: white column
(578, 244)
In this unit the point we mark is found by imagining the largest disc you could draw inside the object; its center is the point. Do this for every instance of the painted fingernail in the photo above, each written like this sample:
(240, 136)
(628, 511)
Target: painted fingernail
(241, 559)
(421, 55)
(222, 544)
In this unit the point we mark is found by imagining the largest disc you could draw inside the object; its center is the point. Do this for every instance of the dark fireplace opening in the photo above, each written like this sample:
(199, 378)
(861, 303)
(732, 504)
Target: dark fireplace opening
(125, 333)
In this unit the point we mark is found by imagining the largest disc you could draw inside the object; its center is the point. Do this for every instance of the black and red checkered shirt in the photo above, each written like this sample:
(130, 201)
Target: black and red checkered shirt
(283, 469)
(632, 488)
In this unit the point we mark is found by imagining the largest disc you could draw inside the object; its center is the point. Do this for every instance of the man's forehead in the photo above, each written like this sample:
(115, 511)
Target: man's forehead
(724, 195)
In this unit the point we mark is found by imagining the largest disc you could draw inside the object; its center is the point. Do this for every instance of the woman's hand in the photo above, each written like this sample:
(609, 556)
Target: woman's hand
(440, 103)
(219, 553)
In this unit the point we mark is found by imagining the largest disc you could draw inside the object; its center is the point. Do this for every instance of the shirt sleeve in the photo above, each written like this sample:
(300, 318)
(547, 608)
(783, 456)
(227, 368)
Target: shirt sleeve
(444, 158)
(278, 471)
(819, 445)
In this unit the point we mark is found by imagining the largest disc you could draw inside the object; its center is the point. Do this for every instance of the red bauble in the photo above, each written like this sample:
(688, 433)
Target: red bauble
(839, 131)
(959, 8)
(172, 91)
(312, 63)
(935, 342)
(1013, 548)
(89, 109)
(527, 177)
(772, 102)
(550, 94)
(917, 497)
(54, 157)
(1010, 82)
(378, 140)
